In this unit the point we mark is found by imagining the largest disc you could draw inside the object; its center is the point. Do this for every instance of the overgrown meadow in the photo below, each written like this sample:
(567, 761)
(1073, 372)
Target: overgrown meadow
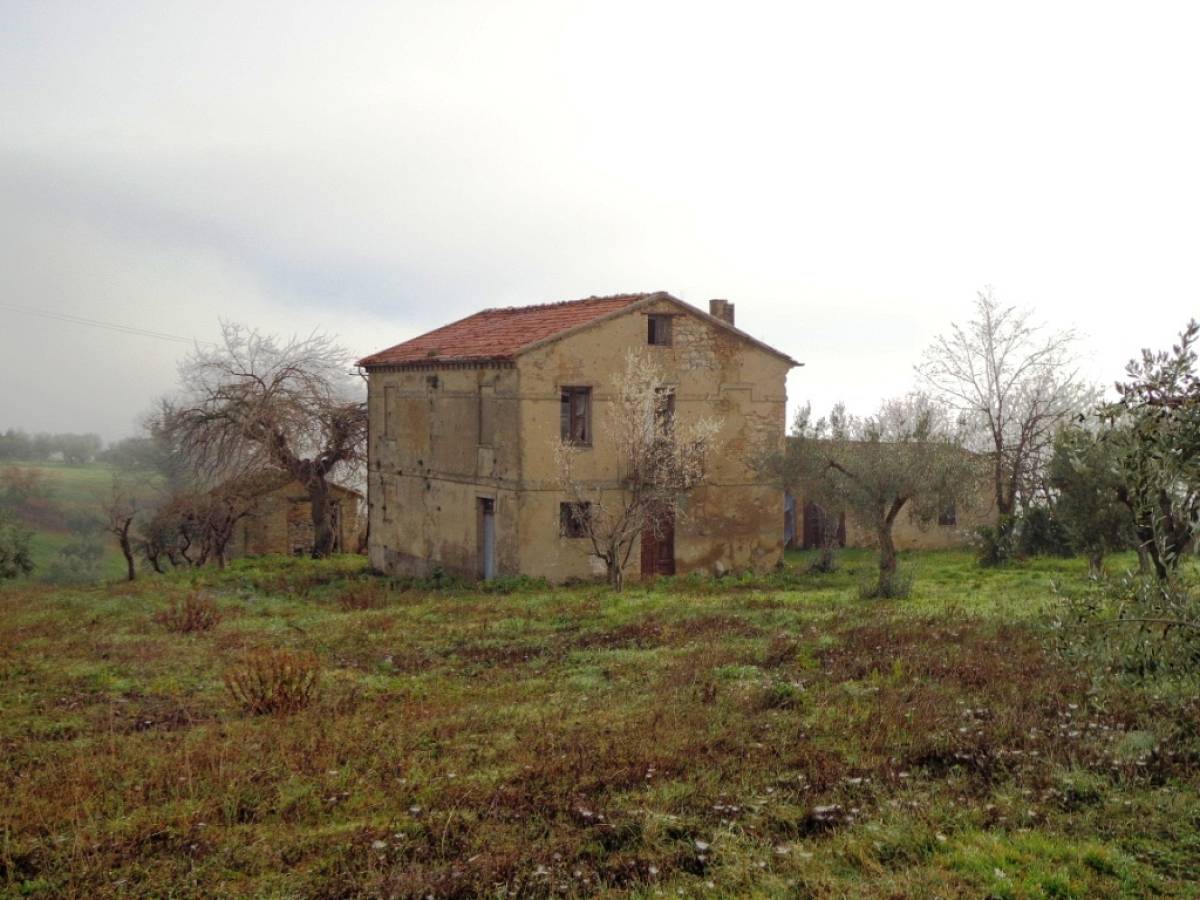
(298, 728)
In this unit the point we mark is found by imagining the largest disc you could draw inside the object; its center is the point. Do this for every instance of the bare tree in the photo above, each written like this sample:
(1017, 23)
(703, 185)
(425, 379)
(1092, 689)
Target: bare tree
(257, 404)
(660, 460)
(194, 528)
(1014, 384)
(120, 512)
(907, 455)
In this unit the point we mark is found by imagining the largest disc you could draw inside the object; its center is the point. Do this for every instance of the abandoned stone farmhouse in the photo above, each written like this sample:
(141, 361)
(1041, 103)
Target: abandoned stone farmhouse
(280, 520)
(464, 422)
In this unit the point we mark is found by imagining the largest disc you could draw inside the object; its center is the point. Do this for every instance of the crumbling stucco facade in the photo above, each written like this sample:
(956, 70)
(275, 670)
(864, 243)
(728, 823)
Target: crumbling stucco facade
(954, 529)
(462, 473)
(280, 522)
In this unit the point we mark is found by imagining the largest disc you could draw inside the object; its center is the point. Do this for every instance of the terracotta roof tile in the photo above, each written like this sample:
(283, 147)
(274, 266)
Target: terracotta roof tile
(498, 334)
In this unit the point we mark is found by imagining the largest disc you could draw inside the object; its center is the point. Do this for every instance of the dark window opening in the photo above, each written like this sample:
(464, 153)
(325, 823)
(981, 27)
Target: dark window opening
(658, 331)
(576, 415)
(573, 519)
(949, 515)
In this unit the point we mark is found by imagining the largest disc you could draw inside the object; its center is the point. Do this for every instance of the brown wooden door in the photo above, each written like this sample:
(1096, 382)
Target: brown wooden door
(658, 548)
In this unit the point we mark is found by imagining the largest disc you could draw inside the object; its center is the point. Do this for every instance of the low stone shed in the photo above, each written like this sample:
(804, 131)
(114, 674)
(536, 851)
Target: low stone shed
(280, 521)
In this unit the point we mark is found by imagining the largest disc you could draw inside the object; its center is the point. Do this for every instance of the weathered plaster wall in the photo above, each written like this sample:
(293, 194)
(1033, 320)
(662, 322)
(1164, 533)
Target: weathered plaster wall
(733, 521)
(266, 529)
(909, 533)
(428, 468)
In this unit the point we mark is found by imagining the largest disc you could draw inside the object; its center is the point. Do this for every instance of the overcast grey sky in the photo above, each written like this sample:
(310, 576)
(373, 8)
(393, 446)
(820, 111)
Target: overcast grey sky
(848, 174)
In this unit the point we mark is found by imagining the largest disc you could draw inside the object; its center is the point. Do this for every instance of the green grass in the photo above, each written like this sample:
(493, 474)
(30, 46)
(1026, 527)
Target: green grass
(760, 736)
(74, 488)
(74, 491)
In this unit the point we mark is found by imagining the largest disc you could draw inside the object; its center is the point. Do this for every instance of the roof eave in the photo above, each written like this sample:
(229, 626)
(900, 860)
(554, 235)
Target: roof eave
(370, 362)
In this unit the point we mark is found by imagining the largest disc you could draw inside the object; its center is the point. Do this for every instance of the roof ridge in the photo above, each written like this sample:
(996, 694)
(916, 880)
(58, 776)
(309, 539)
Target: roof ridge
(501, 333)
(557, 303)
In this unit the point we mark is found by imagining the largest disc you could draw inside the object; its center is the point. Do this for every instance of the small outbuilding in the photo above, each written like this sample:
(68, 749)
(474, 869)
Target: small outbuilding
(280, 522)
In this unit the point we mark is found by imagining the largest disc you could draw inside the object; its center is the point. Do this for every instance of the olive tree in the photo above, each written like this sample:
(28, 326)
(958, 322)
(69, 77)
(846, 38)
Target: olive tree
(16, 560)
(659, 460)
(121, 510)
(907, 456)
(1088, 492)
(196, 527)
(1156, 438)
(256, 404)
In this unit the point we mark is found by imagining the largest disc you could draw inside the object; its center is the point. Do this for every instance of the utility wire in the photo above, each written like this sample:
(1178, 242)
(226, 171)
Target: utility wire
(100, 323)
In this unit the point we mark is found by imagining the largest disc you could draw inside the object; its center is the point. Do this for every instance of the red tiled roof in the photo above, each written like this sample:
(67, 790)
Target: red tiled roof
(498, 334)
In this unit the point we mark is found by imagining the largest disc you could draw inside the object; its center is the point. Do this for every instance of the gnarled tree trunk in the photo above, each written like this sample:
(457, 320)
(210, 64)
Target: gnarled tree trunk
(127, 550)
(616, 575)
(318, 491)
(887, 552)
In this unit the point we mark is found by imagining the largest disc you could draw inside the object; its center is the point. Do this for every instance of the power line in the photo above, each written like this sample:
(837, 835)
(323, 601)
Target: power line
(100, 323)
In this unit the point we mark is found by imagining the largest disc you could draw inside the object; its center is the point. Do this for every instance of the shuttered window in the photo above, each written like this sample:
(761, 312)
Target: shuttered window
(576, 415)
(658, 331)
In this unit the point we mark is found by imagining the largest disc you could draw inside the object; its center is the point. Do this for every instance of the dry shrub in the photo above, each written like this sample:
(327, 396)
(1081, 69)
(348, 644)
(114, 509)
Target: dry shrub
(197, 612)
(362, 595)
(268, 681)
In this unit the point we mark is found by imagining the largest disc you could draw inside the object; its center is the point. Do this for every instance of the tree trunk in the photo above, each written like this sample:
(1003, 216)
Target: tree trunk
(1095, 562)
(318, 490)
(127, 550)
(887, 552)
(1149, 546)
(1004, 503)
(616, 575)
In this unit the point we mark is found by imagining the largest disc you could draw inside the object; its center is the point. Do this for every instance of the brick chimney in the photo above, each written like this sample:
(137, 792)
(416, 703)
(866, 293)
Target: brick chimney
(721, 309)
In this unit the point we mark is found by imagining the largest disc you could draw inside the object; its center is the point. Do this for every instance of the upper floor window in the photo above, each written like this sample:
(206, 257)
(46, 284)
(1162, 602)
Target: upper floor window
(576, 415)
(658, 331)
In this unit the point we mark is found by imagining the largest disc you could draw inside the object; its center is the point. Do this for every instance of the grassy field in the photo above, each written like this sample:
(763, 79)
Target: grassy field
(74, 492)
(754, 737)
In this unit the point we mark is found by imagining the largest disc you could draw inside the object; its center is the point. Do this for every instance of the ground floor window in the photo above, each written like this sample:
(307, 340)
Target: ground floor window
(573, 519)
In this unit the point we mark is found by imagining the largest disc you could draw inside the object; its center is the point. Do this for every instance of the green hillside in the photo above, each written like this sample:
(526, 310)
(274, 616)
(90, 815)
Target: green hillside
(73, 493)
